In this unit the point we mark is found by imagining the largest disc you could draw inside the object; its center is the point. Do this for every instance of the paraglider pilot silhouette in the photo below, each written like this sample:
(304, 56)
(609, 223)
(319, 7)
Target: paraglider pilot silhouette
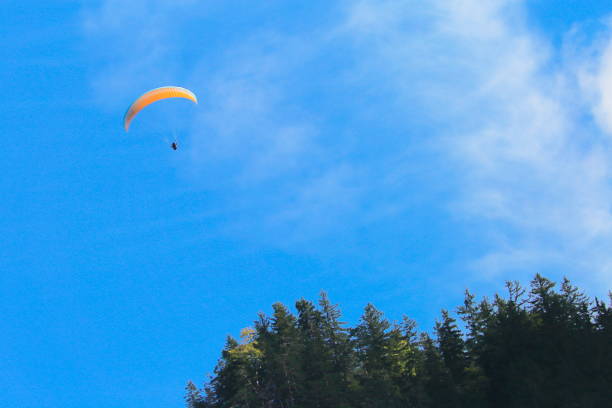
(155, 95)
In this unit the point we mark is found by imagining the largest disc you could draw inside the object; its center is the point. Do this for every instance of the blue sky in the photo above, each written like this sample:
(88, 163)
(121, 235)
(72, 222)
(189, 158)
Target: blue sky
(386, 151)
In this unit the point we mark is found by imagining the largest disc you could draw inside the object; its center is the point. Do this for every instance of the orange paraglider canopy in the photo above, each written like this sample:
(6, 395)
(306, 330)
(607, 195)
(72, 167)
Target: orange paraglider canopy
(155, 95)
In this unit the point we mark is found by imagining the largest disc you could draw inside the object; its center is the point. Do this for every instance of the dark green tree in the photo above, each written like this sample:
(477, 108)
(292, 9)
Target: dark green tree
(375, 351)
(451, 347)
(506, 355)
(193, 397)
(438, 383)
(540, 348)
(338, 342)
(601, 347)
(315, 358)
(405, 363)
(237, 376)
(477, 318)
(278, 340)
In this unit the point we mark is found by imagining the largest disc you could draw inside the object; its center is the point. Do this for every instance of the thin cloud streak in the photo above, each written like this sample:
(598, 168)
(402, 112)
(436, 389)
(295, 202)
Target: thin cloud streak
(513, 128)
(499, 117)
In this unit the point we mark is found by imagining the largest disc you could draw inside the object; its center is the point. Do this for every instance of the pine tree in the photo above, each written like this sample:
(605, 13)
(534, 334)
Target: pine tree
(477, 318)
(278, 339)
(315, 389)
(550, 349)
(452, 347)
(337, 340)
(405, 361)
(601, 349)
(512, 372)
(373, 346)
(552, 314)
(438, 383)
(237, 381)
(193, 397)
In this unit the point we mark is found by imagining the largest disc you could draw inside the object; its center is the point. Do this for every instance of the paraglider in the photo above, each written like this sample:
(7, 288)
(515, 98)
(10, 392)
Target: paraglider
(155, 95)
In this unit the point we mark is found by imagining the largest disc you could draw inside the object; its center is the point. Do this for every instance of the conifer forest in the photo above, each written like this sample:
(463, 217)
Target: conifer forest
(543, 346)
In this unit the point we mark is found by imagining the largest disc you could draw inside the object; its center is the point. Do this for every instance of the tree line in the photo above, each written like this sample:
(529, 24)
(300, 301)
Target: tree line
(535, 347)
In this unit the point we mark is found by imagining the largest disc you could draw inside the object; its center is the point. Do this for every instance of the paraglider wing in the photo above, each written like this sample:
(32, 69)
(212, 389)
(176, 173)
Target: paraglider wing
(155, 95)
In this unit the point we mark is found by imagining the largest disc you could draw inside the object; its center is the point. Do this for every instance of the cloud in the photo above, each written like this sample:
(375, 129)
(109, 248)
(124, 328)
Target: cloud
(528, 170)
(130, 43)
(390, 103)
(603, 109)
(252, 142)
(251, 128)
(593, 68)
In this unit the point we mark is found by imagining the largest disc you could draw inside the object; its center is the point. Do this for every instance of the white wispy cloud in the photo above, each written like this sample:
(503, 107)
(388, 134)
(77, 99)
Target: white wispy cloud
(501, 112)
(512, 125)
(594, 70)
(132, 45)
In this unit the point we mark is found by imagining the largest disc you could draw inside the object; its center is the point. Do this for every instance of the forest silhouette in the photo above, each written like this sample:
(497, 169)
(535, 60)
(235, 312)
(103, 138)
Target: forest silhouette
(534, 347)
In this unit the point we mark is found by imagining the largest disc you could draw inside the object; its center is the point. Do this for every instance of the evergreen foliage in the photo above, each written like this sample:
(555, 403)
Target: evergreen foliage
(535, 348)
